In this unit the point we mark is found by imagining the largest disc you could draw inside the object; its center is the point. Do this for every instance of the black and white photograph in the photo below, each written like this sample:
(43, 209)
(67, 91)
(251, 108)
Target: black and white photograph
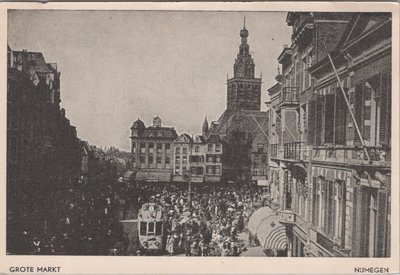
(199, 133)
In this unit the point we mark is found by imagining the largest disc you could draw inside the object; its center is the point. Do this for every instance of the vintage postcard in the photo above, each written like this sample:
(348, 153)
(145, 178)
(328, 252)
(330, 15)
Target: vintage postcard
(200, 138)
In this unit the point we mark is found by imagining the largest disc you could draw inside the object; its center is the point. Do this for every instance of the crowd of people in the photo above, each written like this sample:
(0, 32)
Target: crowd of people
(86, 221)
(207, 222)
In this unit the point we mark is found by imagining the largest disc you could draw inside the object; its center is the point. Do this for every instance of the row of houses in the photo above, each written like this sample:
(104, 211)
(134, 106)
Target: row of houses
(330, 132)
(159, 154)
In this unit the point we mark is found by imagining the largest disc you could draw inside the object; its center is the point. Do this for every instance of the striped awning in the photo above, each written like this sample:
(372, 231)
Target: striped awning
(272, 234)
(257, 218)
(265, 225)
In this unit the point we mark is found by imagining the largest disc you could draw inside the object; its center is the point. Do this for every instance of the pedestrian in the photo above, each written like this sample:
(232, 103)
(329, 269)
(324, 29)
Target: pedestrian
(170, 245)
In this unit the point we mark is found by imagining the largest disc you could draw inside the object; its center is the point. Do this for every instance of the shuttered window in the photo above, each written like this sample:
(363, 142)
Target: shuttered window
(315, 210)
(385, 110)
(311, 122)
(340, 118)
(358, 108)
(329, 117)
(318, 126)
(381, 224)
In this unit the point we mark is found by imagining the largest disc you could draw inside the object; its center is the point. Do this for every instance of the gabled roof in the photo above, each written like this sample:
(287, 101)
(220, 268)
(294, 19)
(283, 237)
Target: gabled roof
(184, 138)
(214, 138)
(199, 139)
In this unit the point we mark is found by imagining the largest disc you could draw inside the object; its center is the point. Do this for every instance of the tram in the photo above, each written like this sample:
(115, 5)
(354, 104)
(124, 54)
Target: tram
(151, 229)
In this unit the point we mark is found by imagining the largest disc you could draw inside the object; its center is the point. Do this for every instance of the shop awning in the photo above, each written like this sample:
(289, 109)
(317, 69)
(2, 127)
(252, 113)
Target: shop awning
(257, 217)
(272, 234)
(265, 225)
(153, 176)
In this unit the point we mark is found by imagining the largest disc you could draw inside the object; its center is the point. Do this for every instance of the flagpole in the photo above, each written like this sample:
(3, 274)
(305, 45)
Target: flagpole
(347, 101)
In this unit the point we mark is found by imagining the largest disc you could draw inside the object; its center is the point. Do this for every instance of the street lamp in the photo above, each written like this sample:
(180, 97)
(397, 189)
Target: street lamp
(188, 178)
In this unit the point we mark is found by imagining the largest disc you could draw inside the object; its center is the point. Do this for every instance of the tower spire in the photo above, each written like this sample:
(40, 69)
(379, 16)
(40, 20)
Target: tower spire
(244, 22)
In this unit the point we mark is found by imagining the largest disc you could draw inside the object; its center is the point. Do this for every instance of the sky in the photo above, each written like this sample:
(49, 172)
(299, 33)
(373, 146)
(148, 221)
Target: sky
(118, 66)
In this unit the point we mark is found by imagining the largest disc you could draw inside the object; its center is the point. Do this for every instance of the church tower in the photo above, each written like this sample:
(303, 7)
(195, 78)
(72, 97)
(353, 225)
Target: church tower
(204, 129)
(244, 90)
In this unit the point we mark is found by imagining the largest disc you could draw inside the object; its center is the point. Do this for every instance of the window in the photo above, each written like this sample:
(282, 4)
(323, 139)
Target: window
(197, 148)
(329, 117)
(177, 150)
(340, 118)
(134, 159)
(217, 159)
(210, 147)
(316, 198)
(159, 160)
(151, 229)
(218, 148)
(210, 158)
(133, 147)
(184, 159)
(142, 159)
(143, 228)
(167, 160)
(150, 159)
(167, 146)
(177, 169)
(256, 159)
(177, 159)
(217, 170)
(184, 150)
(209, 169)
(158, 228)
(184, 168)
(372, 105)
(159, 147)
(371, 222)
(260, 147)
(142, 147)
(151, 147)
(264, 159)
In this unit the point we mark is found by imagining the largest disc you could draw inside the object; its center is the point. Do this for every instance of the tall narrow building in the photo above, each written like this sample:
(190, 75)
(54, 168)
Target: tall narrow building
(244, 90)
(242, 126)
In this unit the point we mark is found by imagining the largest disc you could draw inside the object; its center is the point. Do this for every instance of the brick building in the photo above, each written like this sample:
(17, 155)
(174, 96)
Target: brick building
(332, 186)
(43, 151)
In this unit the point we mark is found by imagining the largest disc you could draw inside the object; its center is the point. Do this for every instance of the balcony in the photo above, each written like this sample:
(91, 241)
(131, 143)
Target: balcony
(353, 155)
(296, 151)
(287, 217)
(289, 95)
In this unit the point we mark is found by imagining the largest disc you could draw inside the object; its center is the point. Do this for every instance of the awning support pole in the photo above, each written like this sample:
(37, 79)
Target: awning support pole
(347, 101)
(262, 130)
(290, 132)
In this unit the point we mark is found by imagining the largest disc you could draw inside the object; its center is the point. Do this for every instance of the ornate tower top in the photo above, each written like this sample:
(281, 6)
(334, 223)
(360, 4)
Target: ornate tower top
(244, 65)
(157, 121)
(204, 129)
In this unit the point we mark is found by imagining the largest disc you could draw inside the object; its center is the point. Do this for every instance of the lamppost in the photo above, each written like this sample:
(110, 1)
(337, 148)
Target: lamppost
(188, 178)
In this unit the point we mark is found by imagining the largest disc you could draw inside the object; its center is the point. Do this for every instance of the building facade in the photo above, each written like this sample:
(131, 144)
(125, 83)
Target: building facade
(152, 151)
(198, 159)
(43, 150)
(182, 151)
(330, 160)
